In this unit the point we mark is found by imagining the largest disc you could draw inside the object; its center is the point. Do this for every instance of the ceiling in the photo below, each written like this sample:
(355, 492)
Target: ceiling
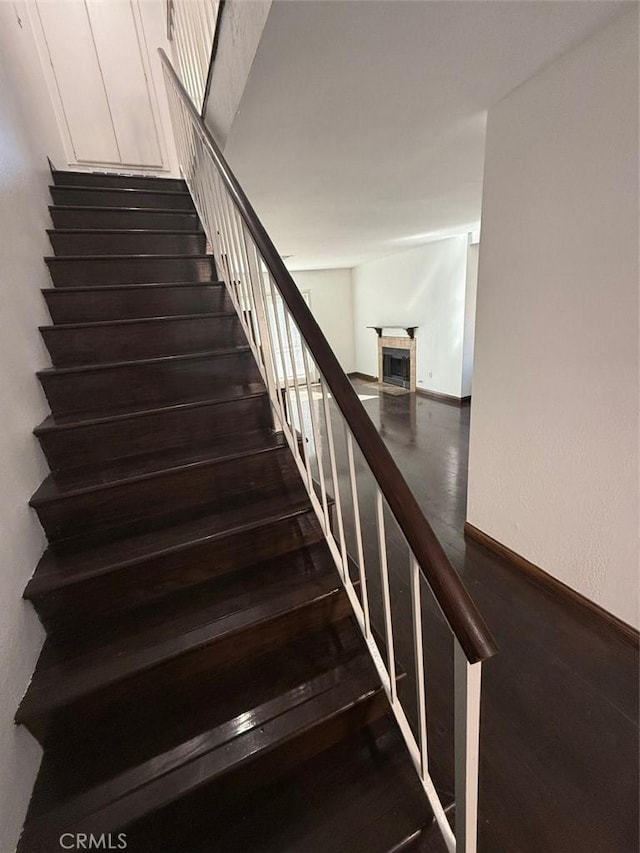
(361, 129)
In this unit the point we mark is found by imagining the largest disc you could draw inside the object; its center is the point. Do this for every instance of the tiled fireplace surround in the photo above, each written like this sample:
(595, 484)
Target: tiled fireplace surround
(399, 343)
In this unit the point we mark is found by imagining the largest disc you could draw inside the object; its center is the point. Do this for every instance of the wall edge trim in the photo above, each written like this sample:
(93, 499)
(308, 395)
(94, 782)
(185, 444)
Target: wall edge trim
(355, 374)
(444, 398)
(602, 619)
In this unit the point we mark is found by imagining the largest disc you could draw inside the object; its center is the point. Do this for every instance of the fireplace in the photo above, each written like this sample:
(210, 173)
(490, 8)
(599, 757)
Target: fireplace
(397, 357)
(396, 366)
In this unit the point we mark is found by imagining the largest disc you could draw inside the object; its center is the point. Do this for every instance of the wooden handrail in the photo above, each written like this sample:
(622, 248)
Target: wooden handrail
(450, 593)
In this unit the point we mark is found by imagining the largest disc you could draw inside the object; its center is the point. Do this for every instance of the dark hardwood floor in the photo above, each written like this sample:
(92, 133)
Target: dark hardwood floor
(559, 735)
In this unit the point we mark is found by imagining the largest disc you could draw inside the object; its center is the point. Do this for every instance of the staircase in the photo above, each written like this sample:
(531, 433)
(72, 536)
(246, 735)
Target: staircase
(203, 686)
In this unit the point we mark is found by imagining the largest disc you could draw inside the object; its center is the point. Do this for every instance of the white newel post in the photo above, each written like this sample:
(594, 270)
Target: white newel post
(466, 744)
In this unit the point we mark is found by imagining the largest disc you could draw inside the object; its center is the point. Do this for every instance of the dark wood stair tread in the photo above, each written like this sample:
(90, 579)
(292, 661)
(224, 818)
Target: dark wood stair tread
(51, 291)
(143, 231)
(115, 365)
(68, 177)
(135, 300)
(68, 270)
(151, 382)
(71, 420)
(78, 481)
(162, 332)
(134, 643)
(116, 240)
(53, 259)
(264, 586)
(330, 688)
(359, 796)
(93, 208)
(130, 740)
(130, 192)
(80, 419)
(56, 570)
(167, 318)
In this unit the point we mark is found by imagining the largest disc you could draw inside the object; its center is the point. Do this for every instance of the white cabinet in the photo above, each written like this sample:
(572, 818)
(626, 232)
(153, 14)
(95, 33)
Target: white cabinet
(96, 61)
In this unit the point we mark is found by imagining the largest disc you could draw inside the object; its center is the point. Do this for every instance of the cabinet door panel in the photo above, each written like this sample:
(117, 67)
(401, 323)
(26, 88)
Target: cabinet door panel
(78, 78)
(119, 47)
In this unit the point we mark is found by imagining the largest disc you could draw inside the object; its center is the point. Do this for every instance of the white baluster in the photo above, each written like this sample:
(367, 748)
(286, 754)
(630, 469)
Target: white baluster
(386, 598)
(288, 424)
(296, 386)
(358, 530)
(334, 477)
(418, 650)
(467, 678)
(257, 285)
(317, 440)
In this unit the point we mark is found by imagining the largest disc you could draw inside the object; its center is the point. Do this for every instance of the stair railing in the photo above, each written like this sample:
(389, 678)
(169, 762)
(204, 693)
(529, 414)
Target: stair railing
(191, 26)
(312, 402)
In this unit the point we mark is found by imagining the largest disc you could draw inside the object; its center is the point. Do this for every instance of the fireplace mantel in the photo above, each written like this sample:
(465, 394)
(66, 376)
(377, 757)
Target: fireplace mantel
(410, 330)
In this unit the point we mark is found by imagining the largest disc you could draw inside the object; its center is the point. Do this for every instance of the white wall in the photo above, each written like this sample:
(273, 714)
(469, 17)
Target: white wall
(28, 133)
(422, 287)
(332, 305)
(554, 432)
(241, 27)
(470, 296)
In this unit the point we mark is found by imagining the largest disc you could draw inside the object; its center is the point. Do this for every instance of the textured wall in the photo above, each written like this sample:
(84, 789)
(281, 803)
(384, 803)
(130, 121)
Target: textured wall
(554, 423)
(28, 134)
(332, 306)
(241, 27)
(470, 297)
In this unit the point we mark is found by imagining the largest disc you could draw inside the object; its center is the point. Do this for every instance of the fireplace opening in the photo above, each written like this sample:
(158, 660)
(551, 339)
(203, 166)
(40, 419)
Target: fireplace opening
(396, 367)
